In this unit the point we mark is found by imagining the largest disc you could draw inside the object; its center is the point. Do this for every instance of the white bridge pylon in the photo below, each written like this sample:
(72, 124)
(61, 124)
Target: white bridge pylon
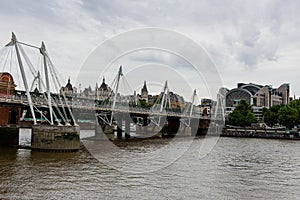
(115, 101)
(162, 103)
(51, 78)
(117, 105)
(188, 111)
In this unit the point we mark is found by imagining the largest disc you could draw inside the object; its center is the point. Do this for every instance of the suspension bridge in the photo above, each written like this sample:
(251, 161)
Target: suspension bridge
(56, 127)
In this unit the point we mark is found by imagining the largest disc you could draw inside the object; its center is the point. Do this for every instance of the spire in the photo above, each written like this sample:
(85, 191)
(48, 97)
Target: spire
(144, 87)
(69, 80)
(104, 86)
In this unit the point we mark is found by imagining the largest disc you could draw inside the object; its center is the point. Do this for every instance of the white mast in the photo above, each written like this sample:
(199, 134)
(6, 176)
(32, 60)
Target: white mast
(116, 92)
(15, 43)
(39, 81)
(43, 52)
(192, 105)
(193, 101)
(163, 97)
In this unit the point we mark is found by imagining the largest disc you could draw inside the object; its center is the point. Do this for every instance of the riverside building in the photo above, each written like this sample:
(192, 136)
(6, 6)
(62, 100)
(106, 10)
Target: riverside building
(258, 96)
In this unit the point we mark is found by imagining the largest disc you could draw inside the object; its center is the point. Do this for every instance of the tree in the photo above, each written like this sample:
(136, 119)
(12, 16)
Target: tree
(271, 115)
(242, 115)
(288, 116)
(143, 103)
(296, 104)
(270, 118)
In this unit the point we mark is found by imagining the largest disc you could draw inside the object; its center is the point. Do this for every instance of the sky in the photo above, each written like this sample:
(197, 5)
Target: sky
(248, 41)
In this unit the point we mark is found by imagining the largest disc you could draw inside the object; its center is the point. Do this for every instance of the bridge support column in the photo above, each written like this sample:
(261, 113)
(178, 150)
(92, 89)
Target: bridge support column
(9, 136)
(55, 138)
(172, 126)
(119, 132)
(145, 120)
(9, 125)
(127, 128)
(119, 118)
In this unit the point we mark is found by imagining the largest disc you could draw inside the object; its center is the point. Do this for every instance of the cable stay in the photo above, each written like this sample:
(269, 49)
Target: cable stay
(189, 110)
(161, 105)
(120, 98)
(57, 104)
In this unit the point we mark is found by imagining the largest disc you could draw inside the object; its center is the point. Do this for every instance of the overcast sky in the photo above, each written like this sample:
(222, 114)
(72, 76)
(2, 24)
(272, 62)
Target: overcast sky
(249, 41)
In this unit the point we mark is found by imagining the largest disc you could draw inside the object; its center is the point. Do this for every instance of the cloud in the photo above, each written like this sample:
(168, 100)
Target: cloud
(242, 37)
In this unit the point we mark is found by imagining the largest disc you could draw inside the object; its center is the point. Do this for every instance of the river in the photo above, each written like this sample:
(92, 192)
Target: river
(236, 168)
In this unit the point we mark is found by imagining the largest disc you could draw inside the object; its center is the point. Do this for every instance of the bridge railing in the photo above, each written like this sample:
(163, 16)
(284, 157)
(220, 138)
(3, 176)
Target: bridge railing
(39, 100)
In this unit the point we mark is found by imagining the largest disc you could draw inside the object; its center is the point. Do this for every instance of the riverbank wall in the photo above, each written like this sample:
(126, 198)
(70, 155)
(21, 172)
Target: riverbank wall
(260, 133)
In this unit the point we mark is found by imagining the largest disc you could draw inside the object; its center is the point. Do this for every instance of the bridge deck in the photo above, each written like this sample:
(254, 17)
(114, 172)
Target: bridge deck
(21, 100)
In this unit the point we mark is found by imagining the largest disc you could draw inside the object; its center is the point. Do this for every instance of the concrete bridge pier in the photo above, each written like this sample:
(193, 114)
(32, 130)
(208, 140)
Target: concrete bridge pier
(127, 128)
(203, 126)
(145, 120)
(9, 136)
(119, 132)
(55, 138)
(119, 118)
(172, 126)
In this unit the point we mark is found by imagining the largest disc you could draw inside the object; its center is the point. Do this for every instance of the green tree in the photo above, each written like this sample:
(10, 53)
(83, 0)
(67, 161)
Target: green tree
(288, 116)
(296, 104)
(143, 103)
(242, 115)
(271, 115)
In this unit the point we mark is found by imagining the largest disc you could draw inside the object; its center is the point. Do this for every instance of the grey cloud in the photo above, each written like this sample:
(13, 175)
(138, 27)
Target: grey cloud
(237, 34)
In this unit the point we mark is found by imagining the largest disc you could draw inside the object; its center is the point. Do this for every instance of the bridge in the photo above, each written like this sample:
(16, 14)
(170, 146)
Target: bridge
(78, 104)
(57, 110)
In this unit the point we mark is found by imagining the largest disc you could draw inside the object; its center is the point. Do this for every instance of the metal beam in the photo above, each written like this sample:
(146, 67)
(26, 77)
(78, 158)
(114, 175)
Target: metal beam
(15, 43)
(120, 73)
(43, 52)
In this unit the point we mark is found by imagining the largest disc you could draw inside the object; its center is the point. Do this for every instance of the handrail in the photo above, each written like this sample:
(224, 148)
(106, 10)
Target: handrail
(89, 105)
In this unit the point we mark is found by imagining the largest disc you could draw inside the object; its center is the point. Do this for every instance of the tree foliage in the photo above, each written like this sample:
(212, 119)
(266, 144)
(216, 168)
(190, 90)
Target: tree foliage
(271, 115)
(296, 104)
(242, 115)
(285, 115)
(143, 103)
(288, 116)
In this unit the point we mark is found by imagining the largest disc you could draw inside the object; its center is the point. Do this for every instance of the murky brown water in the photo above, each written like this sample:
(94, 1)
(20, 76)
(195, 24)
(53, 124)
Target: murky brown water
(237, 168)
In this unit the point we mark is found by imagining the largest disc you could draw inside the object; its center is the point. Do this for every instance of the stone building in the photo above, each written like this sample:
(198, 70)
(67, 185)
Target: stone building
(206, 106)
(7, 85)
(144, 93)
(258, 96)
(68, 90)
(176, 100)
(99, 93)
(102, 92)
(9, 114)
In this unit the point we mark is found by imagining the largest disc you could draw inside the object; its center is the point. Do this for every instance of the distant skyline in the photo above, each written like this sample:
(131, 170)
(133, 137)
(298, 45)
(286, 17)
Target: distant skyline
(249, 41)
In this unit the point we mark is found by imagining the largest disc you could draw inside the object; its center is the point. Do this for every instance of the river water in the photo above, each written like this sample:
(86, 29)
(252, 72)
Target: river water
(236, 168)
